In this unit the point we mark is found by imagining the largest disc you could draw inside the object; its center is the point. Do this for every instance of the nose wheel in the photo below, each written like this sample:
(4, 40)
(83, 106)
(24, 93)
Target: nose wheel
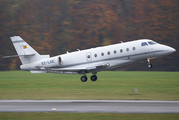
(149, 65)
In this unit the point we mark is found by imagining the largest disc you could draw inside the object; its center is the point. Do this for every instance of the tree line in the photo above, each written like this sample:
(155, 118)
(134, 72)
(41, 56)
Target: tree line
(56, 26)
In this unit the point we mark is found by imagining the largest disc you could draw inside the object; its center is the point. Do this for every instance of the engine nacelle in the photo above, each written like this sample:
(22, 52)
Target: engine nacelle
(50, 62)
(42, 64)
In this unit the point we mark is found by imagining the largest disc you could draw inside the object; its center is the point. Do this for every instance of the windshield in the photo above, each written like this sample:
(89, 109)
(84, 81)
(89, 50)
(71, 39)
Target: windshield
(144, 44)
(152, 43)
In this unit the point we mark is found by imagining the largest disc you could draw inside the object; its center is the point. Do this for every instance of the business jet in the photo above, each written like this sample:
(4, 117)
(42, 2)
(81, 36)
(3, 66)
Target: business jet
(90, 60)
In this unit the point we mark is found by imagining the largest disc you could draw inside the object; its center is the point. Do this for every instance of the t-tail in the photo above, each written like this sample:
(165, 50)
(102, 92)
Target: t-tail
(25, 52)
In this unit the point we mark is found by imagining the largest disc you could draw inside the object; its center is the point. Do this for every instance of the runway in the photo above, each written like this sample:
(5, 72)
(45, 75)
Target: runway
(90, 106)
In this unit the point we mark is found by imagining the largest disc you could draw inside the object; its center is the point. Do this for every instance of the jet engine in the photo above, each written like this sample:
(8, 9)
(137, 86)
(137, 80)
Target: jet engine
(50, 62)
(44, 63)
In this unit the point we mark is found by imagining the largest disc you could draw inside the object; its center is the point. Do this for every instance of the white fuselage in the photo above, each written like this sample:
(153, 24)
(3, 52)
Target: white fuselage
(86, 61)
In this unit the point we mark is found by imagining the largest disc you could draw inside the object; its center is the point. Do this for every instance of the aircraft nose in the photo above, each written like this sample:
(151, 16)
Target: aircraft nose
(171, 50)
(166, 50)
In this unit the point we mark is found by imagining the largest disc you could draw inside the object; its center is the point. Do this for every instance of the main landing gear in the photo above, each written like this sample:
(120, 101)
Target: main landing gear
(84, 78)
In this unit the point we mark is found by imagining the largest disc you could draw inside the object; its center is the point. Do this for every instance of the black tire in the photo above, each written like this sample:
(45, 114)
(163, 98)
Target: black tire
(84, 78)
(93, 78)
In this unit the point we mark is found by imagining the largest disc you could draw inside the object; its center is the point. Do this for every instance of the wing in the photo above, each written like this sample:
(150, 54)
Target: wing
(82, 68)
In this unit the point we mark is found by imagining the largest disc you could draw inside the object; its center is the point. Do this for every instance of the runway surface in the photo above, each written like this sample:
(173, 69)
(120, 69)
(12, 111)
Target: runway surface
(90, 106)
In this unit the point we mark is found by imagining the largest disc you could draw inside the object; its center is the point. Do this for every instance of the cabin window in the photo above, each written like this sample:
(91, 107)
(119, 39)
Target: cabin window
(127, 49)
(133, 48)
(108, 53)
(88, 56)
(95, 55)
(121, 50)
(144, 44)
(102, 54)
(115, 51)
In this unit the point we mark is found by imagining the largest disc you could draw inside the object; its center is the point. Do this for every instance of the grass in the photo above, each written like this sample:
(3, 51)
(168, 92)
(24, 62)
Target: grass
(110, 85)
(86, 116)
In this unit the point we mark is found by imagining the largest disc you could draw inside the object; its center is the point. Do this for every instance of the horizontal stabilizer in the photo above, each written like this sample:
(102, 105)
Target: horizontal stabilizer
(30, 54)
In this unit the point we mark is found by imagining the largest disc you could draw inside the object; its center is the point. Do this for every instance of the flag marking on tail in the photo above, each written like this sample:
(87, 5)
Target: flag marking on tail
(25, 46)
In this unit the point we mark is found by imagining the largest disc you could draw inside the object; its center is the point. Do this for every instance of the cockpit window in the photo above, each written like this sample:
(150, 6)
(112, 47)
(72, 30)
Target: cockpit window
(144, 44)
(152, 43)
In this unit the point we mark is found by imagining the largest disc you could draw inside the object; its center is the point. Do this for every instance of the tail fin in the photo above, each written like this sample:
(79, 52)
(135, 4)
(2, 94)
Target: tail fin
(25, 52)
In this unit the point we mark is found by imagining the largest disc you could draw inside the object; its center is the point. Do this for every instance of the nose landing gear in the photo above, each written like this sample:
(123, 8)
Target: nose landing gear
(149, 64)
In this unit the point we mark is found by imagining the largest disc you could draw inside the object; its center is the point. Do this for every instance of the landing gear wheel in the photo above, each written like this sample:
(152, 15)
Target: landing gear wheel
(84, 78)
(93, 78)
(149, 65)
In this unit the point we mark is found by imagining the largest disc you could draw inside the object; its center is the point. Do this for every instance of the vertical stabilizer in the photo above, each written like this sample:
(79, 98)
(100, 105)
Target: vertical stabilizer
(25, 52)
